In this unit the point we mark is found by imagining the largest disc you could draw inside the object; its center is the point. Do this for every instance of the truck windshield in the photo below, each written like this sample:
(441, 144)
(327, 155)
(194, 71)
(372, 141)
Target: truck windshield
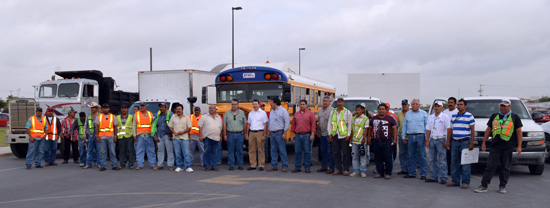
(68, 90)
(48, 91)
(372, 105)
(248, 92)
(151, 106)
(486, 108)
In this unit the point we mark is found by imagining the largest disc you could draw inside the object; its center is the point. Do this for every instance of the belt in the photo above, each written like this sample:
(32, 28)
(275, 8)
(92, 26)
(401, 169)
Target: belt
(461, 140)
(438, 137)
(256, 130)
(276, 131)
(235, 132)
(303, 133)
(414, 134)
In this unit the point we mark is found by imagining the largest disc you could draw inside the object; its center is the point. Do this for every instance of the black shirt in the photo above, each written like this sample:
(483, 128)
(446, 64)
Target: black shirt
(497, 141)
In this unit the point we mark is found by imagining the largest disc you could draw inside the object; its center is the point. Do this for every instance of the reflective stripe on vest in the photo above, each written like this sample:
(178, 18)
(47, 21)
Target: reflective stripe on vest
(358, 129)
(155, 123)
(124, 130)
(52, 129)
(340, 125)
(499, 125)
(143, 125)
(80, 129)
(106, 129)
(195, 124)
(37, 127)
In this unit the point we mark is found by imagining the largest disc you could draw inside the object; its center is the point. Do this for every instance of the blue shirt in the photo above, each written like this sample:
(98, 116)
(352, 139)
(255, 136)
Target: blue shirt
(462, 124)
(278, 119)
(415, 123)
(29, 125)
(162, 127)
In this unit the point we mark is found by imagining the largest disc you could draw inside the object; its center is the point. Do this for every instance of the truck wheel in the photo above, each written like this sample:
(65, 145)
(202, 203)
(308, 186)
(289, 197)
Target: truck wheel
(19, 150)
(536, 169)
(547, 143)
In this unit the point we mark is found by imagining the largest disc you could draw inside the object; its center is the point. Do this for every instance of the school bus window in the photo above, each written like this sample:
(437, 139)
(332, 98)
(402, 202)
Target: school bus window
(292, 99)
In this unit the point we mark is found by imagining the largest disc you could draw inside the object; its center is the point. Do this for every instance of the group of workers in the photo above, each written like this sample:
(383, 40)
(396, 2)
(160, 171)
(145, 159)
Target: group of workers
(346, 139)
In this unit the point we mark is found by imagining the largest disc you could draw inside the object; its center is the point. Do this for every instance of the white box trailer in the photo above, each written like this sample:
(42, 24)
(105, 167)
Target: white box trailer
(173, 86)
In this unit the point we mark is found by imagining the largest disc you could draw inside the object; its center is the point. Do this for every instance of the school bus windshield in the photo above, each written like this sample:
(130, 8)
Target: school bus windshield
(247, 92)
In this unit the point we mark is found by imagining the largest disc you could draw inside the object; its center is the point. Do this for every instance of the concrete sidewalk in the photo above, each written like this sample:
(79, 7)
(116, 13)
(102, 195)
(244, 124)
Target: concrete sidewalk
(5, 151)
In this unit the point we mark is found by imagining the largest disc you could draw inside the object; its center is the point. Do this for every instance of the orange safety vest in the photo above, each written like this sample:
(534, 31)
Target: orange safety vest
(195, 124)
(37, 127)
(143, 125)
(52, 130)
(106, 129)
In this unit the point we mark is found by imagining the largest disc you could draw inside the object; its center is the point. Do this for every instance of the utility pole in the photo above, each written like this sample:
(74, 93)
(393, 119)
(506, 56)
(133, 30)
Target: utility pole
(480, 90)
(151, 59)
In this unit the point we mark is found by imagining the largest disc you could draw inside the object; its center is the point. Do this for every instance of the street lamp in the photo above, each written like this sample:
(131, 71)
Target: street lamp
(233, 35)
(300, 60)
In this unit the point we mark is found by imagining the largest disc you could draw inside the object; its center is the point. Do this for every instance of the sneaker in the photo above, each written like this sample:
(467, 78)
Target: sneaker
(179, 169)
(354, 174)
(82, 164)
(363, 175)
(65, 162)
(502, 190)
(481, 189)
(189, 170)
(139, 168)
(346, 173)
(387, 177)
(86, 167)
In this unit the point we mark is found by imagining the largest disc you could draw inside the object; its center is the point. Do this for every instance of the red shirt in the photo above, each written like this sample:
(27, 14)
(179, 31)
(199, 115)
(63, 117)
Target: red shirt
(303, 122)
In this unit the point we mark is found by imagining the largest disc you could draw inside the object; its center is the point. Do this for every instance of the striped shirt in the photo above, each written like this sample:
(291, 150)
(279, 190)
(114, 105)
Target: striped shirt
(462, 123)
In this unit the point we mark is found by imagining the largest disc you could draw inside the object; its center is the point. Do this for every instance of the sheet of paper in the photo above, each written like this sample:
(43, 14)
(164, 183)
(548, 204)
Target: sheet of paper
(469, 156)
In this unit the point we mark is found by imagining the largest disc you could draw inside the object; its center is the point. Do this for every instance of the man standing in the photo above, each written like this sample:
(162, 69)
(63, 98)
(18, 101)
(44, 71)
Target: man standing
(463, 137)
(79, 126)
(323, 117)
(303, 132)
(257, 123)
(194, 142)
(210, 133)
(106, 129)
(339, 129)
(279, 123)
(451, 103)
(93, 154)
(163, 137)
(505, 129)
(234, 121)
(143, 120)
(414, 126)
(360, 149)
(439, 132)
(69, 138)
(384, 131)
(403, 147)
(125, 140)
(180, 125)
(53, 133)
(36, 129)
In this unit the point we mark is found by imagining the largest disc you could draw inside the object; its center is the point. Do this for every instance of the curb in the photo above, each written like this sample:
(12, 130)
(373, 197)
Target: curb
(6, 155)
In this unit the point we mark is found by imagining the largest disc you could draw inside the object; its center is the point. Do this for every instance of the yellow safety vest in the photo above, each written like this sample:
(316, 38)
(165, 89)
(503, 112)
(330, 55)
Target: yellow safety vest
(340, 125)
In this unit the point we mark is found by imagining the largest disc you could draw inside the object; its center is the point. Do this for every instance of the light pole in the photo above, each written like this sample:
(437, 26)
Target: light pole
(233, 35)
(300, 60)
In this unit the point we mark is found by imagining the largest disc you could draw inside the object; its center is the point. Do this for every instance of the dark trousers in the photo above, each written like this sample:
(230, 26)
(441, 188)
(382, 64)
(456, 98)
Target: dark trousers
(394, 151)
(383, 157)
(498, 157)
(341, 148)
(67, 144)
(127, 152)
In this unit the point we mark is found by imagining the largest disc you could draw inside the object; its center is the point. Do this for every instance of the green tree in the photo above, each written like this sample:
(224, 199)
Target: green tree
(3, 103)
(543, 99)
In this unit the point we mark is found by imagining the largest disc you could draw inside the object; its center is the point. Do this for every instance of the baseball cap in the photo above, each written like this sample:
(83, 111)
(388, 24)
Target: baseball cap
(197, 108)
(438, 103)
(51, 109)
(262, 104)
(505, 102)
(361, 105)
(38, 109)
(388, 104)
(404, 102)
(124, 106)
(340, 98)
(142, 104)
(105, 105)
(164, 104)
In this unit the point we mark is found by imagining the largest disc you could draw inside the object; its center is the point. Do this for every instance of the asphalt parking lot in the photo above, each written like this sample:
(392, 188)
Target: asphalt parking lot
(70, 186)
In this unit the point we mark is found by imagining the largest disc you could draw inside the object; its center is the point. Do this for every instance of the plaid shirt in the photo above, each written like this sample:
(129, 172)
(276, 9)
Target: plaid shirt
(66, 126)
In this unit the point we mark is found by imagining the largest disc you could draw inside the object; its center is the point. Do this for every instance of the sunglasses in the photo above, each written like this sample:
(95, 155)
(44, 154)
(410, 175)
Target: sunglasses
(234, 117)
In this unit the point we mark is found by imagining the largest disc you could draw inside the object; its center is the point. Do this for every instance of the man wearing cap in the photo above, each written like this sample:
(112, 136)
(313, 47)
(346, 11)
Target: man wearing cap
(303, 128)
(94, 154)
(194, 142)
(403, 153)
(325, 147)
(52, 135)
(463, 125)
(125, 140)
(234, 122)
(78, 129)
(278, 125)
(69, 138)
(438, 130)
(105, 131)
(384, 131)
(339, 129)
(36, 129)
(143, 120)
(163, 137)
(360, 149)
(505, 129)
(414, 126)
(180, 125)
(210, 133)
(257, 123)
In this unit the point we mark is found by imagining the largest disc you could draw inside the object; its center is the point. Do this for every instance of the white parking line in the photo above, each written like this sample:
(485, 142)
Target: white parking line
(11, 169)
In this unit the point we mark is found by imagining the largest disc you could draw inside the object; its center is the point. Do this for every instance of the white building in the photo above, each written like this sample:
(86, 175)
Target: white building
(389, 87)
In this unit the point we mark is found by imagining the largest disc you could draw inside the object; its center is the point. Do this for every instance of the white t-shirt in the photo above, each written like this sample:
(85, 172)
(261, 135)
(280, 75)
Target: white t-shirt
(438, 125)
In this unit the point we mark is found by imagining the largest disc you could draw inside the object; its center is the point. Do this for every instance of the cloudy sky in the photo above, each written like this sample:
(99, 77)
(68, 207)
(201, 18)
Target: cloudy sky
(455, 45)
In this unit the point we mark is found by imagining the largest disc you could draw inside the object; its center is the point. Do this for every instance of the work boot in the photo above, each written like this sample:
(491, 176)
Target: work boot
(480, 189)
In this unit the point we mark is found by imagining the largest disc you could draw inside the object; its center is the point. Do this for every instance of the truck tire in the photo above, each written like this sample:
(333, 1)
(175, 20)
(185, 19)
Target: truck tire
(547, 143)
(536, 169)
(19, 150)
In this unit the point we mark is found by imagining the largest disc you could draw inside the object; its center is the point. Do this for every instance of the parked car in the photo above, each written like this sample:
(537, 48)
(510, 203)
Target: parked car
(4, 119)
(546, 128)
(540, 116)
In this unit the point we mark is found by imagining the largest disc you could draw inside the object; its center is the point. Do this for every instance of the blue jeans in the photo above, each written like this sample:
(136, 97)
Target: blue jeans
(35, 152)
(383, 157)
(108, 144)
(326, 153)
(278, 146)
(302, 144)
(50, 150)
(82, 147)
(182, 153)
(165, 144)
(235, 144)
(417, 153)
(459, 171)
(438, 159)
(403, 155)
(211, 154)
(358, 162)
(145, 145)
(194, 144)
(93, 154)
